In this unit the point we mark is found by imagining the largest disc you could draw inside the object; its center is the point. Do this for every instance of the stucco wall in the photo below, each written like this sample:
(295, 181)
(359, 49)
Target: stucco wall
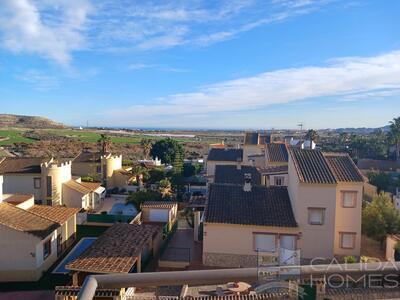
(72, 198)
(21, 255)
(251, 150)
(234, 241)
(1, 188)
(22, 183)
(348, 219)
(59, 173)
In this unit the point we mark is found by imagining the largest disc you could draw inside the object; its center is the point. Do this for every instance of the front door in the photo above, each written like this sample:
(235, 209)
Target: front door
(287, 249)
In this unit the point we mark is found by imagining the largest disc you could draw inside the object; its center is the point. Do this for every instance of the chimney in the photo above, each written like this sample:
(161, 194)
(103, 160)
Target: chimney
(238, 164)
(247, 182)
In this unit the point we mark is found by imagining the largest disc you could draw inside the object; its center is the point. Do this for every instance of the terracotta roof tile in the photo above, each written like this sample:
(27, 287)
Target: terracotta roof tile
(314, 166)
(92, 186)
(262, 206)
(25, 221)
(21, 165)
(311, 166)
(76, 186)
(18, 198)
(58, 214)
(276, 152)
(116, 250)
(274, 170)
(87, 156)
(343, 167)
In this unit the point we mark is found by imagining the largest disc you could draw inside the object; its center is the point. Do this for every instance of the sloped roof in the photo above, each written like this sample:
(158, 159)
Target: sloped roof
(217, 154)
(25, 221)
(21, 165)
(92, 186)
(78, 187)
(116, 250)
(231, 174)
(87, 156)
(314, 166)
(276, 152)
(58, 214)
(274, 170)
(343, 167)
(262, 206)
(311, 166)
(18, 198)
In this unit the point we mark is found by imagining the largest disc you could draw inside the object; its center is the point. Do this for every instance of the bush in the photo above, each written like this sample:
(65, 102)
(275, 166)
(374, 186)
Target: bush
(350, 259)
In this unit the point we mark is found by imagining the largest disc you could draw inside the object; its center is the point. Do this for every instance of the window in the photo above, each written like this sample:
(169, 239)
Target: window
(46, 248)
(37, 183)
(98, 169)
(264, 242)
(347, 240)
(316, 216)
(279, 180)
(349, 199)
(49, 186)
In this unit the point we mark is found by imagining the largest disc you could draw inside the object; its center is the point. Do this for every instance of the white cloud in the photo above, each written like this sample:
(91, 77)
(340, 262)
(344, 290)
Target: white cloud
(49, 28)
(56, 28)
(39, 80)
(340, 77)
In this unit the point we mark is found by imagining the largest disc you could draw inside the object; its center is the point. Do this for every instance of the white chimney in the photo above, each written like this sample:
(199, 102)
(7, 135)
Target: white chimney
(247, 182)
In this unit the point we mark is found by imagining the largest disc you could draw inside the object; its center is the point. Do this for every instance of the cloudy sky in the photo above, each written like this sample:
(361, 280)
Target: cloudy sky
(202, 64)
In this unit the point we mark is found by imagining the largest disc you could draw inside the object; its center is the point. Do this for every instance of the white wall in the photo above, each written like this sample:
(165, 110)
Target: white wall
(22, 183)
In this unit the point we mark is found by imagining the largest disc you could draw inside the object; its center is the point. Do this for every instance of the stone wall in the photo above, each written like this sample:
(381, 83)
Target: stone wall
(229, 260)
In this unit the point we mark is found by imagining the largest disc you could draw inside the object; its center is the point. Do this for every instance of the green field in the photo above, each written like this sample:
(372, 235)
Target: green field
(14, 136)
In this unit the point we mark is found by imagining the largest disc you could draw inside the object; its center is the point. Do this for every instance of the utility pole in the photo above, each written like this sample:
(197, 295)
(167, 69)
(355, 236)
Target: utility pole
(301, 130)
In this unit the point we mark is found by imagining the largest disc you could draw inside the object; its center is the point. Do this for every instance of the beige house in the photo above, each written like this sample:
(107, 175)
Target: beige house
(86, 195)
(218, 156)
(275, 171)
(105, 167)
(163, 212)
(321, 204)
(244, 222)
(32, 239)
(254, 146)
(50, 182)
(40, 177)
(326, 192)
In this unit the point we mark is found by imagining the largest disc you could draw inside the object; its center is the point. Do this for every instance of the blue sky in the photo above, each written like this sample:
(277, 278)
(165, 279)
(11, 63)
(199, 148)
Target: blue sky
(202, 64)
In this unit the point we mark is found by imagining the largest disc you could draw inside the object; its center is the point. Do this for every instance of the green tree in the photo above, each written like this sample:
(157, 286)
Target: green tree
(141, 173)
(139, 197)
(394, 134)
(169, 151)
(165, 188)
(380, 218)
(146, 144)
(156, 175)
(104, 142)
(381, 180)
(311, 136)
(189, 170)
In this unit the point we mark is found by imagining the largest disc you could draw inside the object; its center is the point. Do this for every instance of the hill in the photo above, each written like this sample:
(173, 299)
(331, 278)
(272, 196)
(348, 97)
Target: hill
(7, 120)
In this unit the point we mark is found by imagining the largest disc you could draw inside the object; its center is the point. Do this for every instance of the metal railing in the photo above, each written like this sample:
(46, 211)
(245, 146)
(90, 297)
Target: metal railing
(207, 277)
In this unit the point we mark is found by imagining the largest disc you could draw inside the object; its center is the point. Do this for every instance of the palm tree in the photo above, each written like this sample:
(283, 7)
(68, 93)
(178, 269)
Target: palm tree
(147, 144)
(394, 135)
(105, 142)
(312, 136)
(140, 172)
(165, 188)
